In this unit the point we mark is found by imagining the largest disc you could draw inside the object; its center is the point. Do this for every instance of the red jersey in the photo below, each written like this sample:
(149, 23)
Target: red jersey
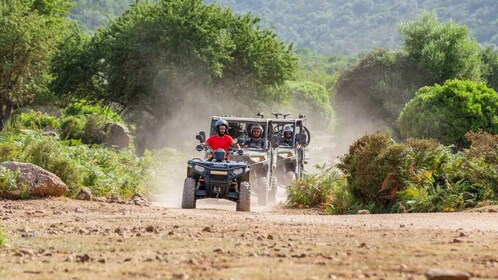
(216, 142)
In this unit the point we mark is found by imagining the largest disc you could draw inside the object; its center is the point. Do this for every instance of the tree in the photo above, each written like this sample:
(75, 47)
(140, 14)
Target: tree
(156, 56)
(489, 57)
(446, 112)
(446, 49)
(29, 31)
(313, 100)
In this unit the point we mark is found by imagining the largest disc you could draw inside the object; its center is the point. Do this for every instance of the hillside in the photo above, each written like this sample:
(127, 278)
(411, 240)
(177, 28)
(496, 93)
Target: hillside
(349, 27)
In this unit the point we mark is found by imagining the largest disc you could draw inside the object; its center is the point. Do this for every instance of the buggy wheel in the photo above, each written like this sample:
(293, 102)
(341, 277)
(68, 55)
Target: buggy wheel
(290, 177)
(272, 198)
(263, 187)
(188, 199)
(244, 203)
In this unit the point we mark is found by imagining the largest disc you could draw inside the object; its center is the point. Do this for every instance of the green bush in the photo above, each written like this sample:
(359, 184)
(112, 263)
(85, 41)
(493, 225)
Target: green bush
(326, 190)
(447, 112)
(104, 171)
(87, 122)
(35, 120)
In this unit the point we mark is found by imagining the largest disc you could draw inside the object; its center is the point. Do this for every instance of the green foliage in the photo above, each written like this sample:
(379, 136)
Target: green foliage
(313, 100)
(373, 170)
(105, 172)
(153, 56)
(36, 120)
(489, 72)
(8, 179)
(351, 27)
(87, 122)
(29, 32)
(326, 190)
(447, 50)
(447, 112)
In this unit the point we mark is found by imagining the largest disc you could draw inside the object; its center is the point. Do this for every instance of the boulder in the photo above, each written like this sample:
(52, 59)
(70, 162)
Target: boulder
(446, 274)
(85, 194)
(33, 181)
(117, 135)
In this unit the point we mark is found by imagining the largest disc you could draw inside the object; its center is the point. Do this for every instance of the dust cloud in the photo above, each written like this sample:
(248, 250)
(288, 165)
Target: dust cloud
(194, 115)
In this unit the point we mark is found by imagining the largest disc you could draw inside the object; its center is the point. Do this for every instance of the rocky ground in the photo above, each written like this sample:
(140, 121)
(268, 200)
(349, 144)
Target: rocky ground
(71, 239)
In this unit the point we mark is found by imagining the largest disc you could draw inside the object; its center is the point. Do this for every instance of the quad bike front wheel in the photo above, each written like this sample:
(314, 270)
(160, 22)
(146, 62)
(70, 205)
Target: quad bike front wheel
(244, 203)
(188, 199)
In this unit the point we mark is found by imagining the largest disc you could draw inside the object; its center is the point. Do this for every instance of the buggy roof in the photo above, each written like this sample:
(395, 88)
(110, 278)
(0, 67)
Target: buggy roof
(240, 119)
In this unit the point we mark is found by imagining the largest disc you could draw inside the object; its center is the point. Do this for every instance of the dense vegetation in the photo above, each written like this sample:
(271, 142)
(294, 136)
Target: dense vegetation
(416, 176)
(350, 27)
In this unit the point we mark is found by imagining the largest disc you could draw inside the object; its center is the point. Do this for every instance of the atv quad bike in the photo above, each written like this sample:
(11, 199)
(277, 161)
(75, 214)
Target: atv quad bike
(264, 185)
(216, 177)
(290, 158)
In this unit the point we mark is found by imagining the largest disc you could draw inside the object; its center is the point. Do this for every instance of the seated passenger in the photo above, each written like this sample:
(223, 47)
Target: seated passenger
(287, 137)
(256, 140)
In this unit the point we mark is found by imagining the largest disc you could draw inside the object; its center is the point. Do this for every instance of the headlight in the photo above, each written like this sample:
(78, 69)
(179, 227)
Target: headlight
(257, 159)
(285, 155)
(199, 168)
(238, 171)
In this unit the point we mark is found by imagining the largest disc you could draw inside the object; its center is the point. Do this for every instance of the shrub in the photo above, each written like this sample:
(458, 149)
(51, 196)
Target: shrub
(326, 190)
(373, 170)
(447, 112)
(35, 120)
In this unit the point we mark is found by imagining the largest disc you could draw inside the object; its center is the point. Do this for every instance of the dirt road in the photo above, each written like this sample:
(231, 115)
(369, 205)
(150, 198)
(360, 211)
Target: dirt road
(69, 239)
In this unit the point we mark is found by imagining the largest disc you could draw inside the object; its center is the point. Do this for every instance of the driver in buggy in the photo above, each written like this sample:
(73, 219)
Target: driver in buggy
(221, 140)
(287, 137)
(257, 140)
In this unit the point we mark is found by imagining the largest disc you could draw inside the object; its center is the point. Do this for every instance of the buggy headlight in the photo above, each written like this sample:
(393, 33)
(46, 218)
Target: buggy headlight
(238, 171)
(285, 155)
(199, 168)
(257, 159)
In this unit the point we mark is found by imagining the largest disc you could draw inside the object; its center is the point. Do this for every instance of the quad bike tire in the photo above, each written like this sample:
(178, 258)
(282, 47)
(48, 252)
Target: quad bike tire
(244, 203)
(263, 187)
(188, 199)
(272, 197)
(290, 177)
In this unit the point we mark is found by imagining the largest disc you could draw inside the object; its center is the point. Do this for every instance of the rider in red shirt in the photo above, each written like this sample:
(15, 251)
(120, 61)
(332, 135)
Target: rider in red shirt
(221, 139)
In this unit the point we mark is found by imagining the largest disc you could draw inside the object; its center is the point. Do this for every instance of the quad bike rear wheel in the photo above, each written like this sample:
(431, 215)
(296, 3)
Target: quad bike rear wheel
(244, 203)
(188, 199)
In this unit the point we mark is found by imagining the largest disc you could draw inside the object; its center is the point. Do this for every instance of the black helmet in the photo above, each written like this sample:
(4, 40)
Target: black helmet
(220, 122)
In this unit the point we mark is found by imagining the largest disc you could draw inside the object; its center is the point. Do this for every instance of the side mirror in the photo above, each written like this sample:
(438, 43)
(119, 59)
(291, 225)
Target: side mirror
(201, 137)
(240, 152)
(199, 148)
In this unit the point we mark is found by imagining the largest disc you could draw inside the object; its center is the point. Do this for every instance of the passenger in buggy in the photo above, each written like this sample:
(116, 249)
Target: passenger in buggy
(257, 140)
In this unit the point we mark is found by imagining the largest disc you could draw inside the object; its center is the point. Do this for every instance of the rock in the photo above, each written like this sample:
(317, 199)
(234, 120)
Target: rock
(206, 229)
(446, 274)
(150, 229)
(79, 210)
(270, 237)
(491, 210)
(33, 181)
(468, 195)
(85, 194)
(363, 212)
(51, 134)
(138, 199)
(83, 258)
(118, 135)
